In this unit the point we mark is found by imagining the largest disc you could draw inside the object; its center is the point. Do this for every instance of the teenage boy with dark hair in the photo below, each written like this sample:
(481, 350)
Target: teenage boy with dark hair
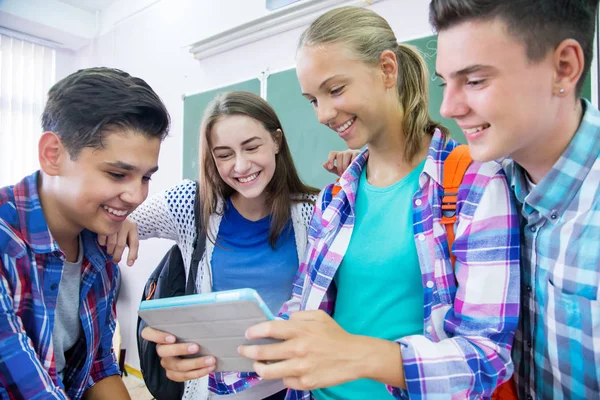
(513, 72)
(102, 134)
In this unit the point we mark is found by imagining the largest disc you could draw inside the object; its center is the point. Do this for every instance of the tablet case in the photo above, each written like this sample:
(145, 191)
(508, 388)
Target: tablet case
(217, 327)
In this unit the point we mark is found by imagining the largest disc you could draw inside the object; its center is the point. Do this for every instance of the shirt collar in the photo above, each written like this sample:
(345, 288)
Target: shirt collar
(553, 194)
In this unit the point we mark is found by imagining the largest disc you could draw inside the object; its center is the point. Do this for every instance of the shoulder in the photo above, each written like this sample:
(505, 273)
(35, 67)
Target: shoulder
(303, 206)
(185, 189)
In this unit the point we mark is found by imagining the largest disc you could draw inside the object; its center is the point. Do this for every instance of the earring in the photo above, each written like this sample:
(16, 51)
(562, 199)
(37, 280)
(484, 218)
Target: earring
(561, 91)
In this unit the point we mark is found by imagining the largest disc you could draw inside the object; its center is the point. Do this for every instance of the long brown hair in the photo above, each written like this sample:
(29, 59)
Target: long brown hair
(366, 35)
(285, 181)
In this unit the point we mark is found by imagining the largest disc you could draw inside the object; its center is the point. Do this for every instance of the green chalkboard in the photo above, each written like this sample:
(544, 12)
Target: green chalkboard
(193, 109)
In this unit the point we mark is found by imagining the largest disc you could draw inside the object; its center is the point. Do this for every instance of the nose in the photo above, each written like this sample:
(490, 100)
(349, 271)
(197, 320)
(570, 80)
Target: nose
(135, 193)
(454, 104)
(325, 112)
(242, 164)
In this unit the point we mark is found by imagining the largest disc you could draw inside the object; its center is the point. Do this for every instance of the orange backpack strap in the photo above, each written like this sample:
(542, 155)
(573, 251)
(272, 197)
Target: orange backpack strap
(336, 188)
(455, 167)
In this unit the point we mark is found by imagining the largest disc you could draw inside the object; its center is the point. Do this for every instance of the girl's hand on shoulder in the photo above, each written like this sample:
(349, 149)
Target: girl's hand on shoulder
(126, 237)
(338, 161)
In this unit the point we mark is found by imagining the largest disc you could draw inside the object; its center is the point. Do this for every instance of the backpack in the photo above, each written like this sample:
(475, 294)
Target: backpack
(168, 280)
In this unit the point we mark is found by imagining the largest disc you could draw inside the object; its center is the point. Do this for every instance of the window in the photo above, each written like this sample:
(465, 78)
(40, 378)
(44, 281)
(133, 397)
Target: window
(27, 71)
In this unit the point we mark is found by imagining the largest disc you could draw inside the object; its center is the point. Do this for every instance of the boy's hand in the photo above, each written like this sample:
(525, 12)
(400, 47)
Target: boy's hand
(179, 369)
(338, 161)
(115, 244)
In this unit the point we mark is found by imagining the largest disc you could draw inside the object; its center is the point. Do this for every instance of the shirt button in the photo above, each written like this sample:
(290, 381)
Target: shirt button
(421, 237)
(533, 229)
(429, 284)
(54, 286)
(529, 397)
(528, 288)
(418, 202)
(553, 216)
(529, 344)
(429, 329)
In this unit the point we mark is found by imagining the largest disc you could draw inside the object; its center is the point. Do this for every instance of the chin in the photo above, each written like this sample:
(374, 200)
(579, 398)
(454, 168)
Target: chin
(482, 153)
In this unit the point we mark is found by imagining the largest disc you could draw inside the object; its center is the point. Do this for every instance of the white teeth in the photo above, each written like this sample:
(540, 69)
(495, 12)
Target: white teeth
(345, 126)
(115, 212)
(248, 178)
(477, 129)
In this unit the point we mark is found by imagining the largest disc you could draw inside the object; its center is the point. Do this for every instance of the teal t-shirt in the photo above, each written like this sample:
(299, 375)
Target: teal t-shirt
(380, 293)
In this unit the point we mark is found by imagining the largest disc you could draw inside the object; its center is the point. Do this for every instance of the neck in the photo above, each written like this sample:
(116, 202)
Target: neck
(251, 209)
(539, 161)
(65, 233)
(387, 164)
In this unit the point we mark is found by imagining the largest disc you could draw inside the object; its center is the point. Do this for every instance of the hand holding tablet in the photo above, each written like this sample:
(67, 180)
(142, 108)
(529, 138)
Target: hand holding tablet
(216, 321)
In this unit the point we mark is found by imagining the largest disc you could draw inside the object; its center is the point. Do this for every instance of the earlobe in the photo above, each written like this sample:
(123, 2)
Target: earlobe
(50, 153)
(568, 65)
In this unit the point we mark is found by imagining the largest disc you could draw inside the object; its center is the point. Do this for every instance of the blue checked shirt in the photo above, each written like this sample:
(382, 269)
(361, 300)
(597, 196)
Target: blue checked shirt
(31, 267)
(557, 347)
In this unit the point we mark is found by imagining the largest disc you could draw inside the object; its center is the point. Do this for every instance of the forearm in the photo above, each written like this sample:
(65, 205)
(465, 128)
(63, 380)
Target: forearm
(109, 388)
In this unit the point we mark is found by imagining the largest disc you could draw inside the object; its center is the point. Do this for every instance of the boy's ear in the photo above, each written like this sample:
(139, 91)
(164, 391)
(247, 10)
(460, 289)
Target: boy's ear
(569, 63)
(51, 153)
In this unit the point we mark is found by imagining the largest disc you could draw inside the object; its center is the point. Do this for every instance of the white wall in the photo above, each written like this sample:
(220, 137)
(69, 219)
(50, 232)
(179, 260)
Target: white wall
(153, 45)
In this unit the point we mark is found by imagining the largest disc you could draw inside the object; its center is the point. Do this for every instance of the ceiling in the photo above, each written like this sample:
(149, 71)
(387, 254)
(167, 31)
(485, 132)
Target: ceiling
(89, 5)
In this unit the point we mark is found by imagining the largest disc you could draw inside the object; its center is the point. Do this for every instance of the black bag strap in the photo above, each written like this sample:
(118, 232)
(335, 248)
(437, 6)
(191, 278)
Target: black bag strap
(199, 244)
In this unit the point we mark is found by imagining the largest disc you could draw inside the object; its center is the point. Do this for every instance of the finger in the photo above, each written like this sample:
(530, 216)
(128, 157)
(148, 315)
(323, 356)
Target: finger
(186, 375)
(340, 163)
(347, 159)
(353, 155)
(177, 349)
(271, 352)
(187, 364)
(331, 159)
(122, 242)
(278, 370)
(326, 166)
(102, 240)
(280, 329)
(156, 336)
(111, 243)
(134, 245)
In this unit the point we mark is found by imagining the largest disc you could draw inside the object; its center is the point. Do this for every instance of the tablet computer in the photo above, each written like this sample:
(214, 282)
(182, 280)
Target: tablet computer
(216, 321)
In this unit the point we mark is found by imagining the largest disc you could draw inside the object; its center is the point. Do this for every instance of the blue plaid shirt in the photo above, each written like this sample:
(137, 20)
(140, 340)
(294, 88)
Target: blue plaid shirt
(31, 266)
(557, 348)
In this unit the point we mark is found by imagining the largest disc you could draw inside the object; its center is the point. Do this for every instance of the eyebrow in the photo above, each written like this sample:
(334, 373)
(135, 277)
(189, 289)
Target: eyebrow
(245, 142)
(128, 167)
(468, 70)
(325, 82)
